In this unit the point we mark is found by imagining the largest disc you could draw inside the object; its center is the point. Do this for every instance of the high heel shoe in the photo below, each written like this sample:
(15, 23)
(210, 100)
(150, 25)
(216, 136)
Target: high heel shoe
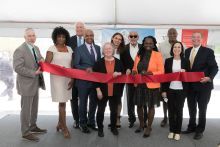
(66, 132)
(59, 127)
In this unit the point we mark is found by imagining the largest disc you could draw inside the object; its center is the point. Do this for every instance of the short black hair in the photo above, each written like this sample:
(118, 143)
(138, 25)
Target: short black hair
(60, 31)
(182, 49)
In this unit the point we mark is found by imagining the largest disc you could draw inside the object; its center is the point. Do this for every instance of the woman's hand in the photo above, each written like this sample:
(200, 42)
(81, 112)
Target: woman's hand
(164, 94)
(115, 74)
(134, 72)
(144, 72)
(128, 72)
(182, 70)
(99, 93)
(70, 84)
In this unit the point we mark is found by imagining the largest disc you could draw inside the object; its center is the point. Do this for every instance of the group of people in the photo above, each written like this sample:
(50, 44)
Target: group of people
(116, 58)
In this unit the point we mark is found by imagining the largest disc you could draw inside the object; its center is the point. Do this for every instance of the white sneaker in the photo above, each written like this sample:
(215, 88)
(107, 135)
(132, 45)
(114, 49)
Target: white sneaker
(170, 135)
(177, 137)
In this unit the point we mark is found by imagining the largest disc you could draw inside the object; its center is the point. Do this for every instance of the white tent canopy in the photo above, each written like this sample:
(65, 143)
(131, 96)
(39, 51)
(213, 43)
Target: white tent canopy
(112, 12)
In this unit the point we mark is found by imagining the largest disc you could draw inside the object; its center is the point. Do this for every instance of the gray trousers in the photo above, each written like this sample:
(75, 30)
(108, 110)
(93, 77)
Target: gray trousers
(29, 110)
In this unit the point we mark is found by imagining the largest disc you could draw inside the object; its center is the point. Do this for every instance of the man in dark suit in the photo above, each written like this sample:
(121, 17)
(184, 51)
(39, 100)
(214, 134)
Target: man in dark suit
(85, 57)
(127, 58)
(74, 42)
(202, 59)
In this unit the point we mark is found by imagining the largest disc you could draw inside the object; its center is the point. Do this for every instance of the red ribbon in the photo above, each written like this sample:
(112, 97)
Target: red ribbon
(108, 78)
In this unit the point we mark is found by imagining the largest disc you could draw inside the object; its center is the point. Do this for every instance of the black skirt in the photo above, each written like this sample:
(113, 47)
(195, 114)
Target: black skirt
(145, 96)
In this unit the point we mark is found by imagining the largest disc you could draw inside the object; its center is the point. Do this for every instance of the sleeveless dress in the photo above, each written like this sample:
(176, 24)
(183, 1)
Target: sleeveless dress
(59, 85)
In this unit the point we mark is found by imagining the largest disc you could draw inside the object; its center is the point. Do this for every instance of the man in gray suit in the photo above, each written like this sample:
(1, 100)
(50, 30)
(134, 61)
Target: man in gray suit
(85, 57)
(29, 79)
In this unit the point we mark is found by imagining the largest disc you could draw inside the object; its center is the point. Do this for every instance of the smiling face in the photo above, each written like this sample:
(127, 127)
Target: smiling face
(108, 50)
(61, 39)
(89, 36)
(117, 39)
(133, 38)
(196, 39)
(148, 44)
(80, 28)
(177, 49)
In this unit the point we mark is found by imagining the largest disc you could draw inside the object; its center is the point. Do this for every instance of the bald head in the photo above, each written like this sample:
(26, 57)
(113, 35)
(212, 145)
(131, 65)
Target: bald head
(80, 28)
(89, 36)
(172, 35)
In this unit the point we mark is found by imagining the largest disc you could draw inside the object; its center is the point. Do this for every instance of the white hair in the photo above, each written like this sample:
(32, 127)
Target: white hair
(105, 44)
(28, 30)
(80, 22)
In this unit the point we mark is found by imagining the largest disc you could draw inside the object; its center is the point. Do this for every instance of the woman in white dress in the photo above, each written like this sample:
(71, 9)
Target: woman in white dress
(61, 55)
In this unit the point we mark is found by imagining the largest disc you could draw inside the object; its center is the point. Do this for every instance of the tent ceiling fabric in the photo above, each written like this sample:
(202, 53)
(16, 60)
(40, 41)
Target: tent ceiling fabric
(137, 12)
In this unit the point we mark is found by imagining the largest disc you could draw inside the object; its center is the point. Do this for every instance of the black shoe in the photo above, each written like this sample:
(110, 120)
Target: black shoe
(114, 131)
(131, 125)
(76, 125)
(118, 126)
(198, 136)
(188, 131)
(138, 130)
(85, 129)
(163, 122)
(100, 133)
(92, 127)
(109, 126)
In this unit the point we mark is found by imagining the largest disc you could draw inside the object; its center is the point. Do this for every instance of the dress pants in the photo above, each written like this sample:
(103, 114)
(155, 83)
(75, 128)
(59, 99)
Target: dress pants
(75, 104)
(28, 115)
(200, 97)
(84, 93)
(176, 99)
(113, 105)
(130, 102)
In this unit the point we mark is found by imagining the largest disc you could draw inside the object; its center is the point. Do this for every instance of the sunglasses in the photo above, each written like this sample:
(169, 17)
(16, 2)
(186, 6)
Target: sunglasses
(133, 36)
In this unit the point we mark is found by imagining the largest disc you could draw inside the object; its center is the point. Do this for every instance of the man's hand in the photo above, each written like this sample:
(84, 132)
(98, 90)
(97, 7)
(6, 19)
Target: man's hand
(89, 70)
(38, 71)
(205, 80)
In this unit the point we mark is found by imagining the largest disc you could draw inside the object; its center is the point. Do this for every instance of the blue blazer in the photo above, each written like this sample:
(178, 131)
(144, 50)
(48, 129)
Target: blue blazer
(82, 60)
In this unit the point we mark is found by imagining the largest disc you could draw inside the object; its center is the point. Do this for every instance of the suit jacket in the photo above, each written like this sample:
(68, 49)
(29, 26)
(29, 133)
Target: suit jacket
(25, 66)
(73, 42)
(185, 64)
(155, 66)
(117, 88)
(126, 58)
(82, 60)
(204, 62)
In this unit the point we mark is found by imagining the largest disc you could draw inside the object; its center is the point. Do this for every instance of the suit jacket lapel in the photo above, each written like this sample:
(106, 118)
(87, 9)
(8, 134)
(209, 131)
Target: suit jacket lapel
(87, 52)
(197, 56)
(27, 50)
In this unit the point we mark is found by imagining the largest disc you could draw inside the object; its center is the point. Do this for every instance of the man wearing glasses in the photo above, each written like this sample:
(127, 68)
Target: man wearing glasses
(127, 58)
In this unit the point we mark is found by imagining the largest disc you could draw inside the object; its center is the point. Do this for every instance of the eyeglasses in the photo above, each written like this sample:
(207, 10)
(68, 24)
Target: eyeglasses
(133, 36)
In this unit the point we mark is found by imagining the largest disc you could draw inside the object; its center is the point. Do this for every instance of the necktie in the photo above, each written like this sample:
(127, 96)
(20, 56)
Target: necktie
(35, 56)
(192, 57)
(80, 41)
(92, 53)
